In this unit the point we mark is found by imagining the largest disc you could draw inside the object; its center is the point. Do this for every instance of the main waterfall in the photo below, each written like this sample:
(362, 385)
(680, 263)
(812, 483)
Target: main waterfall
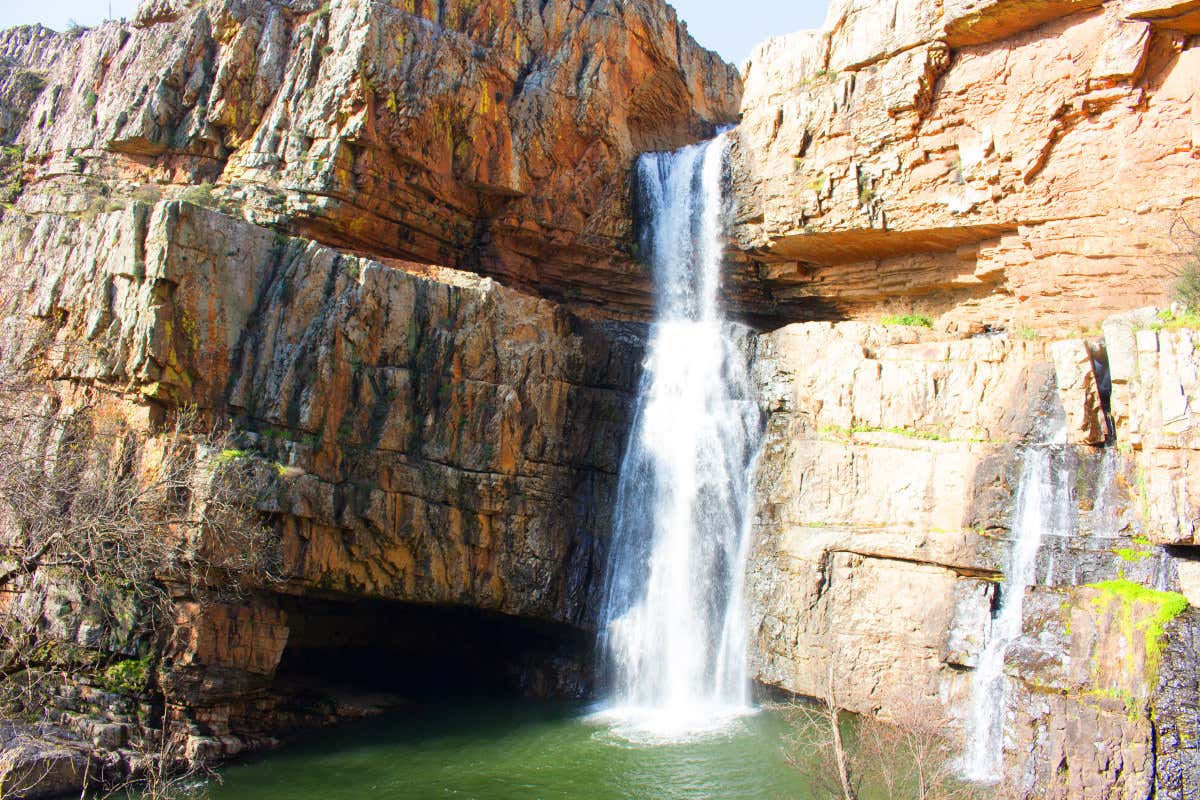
(673, 633)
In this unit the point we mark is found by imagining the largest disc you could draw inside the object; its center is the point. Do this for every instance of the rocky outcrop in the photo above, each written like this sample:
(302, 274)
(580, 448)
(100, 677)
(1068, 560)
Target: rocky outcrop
(415, 434)
(1156, 395)
(887, 490)
(26, 55)
(442, 440)
(492, 136)
(995, 163)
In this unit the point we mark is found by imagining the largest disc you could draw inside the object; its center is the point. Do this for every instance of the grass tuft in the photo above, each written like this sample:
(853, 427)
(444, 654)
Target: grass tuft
(912, 320)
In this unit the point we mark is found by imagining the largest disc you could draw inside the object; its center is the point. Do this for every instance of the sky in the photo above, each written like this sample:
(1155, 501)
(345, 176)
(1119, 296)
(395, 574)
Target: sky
(732, 29)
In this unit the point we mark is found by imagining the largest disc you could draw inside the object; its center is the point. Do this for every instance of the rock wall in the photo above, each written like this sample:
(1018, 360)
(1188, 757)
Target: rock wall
(887, 487)
(281, 214)
(443, 440)
(993, 164)
(388, 245)
(493, 136)
(415, 434)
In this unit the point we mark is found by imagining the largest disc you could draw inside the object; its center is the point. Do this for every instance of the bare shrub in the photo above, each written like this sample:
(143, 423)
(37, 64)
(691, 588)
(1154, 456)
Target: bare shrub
(911, 756)
(108, 516)
(817, 746)
(1186, 269)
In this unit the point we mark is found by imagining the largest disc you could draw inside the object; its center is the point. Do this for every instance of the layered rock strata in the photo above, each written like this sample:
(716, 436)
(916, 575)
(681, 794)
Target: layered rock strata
(487, 135)
(887, 488)
(416, 435)
(997, 164)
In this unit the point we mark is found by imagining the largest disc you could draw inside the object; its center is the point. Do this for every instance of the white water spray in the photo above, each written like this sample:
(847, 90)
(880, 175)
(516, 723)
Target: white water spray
(673, 619)
(1043, 508)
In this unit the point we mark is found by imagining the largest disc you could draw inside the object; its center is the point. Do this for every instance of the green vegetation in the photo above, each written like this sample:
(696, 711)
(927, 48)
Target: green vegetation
(1170, 321)
(912, 320)
(12, 160)
(1123, 696)
(282, 435)
(127, 677)
(147, 193)
(89, 99)
(201, 194)
(1133, 556)
(1026, 333)
(1165, 607)
(1187, 278)
(286, 472)
(226, 456)
(910, 433)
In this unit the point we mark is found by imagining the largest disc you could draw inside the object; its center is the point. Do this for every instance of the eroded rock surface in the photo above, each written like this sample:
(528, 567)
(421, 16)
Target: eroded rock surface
(437, 440)
(996, 163)
(887, 488)
(494, 136)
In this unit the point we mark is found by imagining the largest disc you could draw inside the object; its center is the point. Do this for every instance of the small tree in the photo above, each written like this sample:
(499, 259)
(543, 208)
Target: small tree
(817, 748)
(911, 756)
(1186, 271)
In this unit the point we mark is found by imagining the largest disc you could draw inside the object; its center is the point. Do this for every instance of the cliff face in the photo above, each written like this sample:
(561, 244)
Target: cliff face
(388, 246)
(889, 488)
(998, 166)
(285, 216)
(492, 135)
(439, 438)
(996, 163)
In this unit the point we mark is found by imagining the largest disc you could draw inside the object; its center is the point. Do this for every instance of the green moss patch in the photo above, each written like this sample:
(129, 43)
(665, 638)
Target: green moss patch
(1132, 555)
(225, 456)
(1169, 321)
(842, 432)
(1166, 605)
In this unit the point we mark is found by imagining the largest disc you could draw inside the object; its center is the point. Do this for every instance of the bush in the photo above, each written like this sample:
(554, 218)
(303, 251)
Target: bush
(914, 320)
(127, 677)
(1027, 333)
(12, 161)
(1187, 281)
(201, 194)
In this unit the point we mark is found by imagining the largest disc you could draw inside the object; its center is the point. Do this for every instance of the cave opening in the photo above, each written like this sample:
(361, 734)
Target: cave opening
(347, 658)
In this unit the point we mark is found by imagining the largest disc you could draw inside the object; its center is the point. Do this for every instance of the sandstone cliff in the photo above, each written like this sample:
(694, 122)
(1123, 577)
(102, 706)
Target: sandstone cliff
(494, 136)
(1019, 167)
(283, 215)
(887, 493)
(388, 246)
(993, 163)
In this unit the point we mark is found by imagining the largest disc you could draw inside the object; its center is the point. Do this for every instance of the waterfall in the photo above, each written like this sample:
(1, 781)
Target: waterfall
(1044, 507)
(673, 638)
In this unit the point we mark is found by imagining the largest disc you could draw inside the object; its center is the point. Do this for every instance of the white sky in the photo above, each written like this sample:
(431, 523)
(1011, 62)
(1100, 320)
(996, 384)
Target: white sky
(732, 29)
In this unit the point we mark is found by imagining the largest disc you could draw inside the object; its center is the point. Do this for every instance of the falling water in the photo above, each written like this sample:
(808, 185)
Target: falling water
(673, 623)
(1042, 509)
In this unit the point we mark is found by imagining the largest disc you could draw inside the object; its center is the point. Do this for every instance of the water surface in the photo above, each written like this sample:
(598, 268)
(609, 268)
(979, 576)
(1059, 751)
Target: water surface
(508, 751)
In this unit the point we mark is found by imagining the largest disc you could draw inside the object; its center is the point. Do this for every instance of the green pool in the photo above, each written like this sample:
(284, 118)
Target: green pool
(506, 751)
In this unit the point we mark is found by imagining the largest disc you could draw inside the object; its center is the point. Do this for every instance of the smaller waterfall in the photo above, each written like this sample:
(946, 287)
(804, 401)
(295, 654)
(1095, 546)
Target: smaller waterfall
(1106, 512)
(1044, 507)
